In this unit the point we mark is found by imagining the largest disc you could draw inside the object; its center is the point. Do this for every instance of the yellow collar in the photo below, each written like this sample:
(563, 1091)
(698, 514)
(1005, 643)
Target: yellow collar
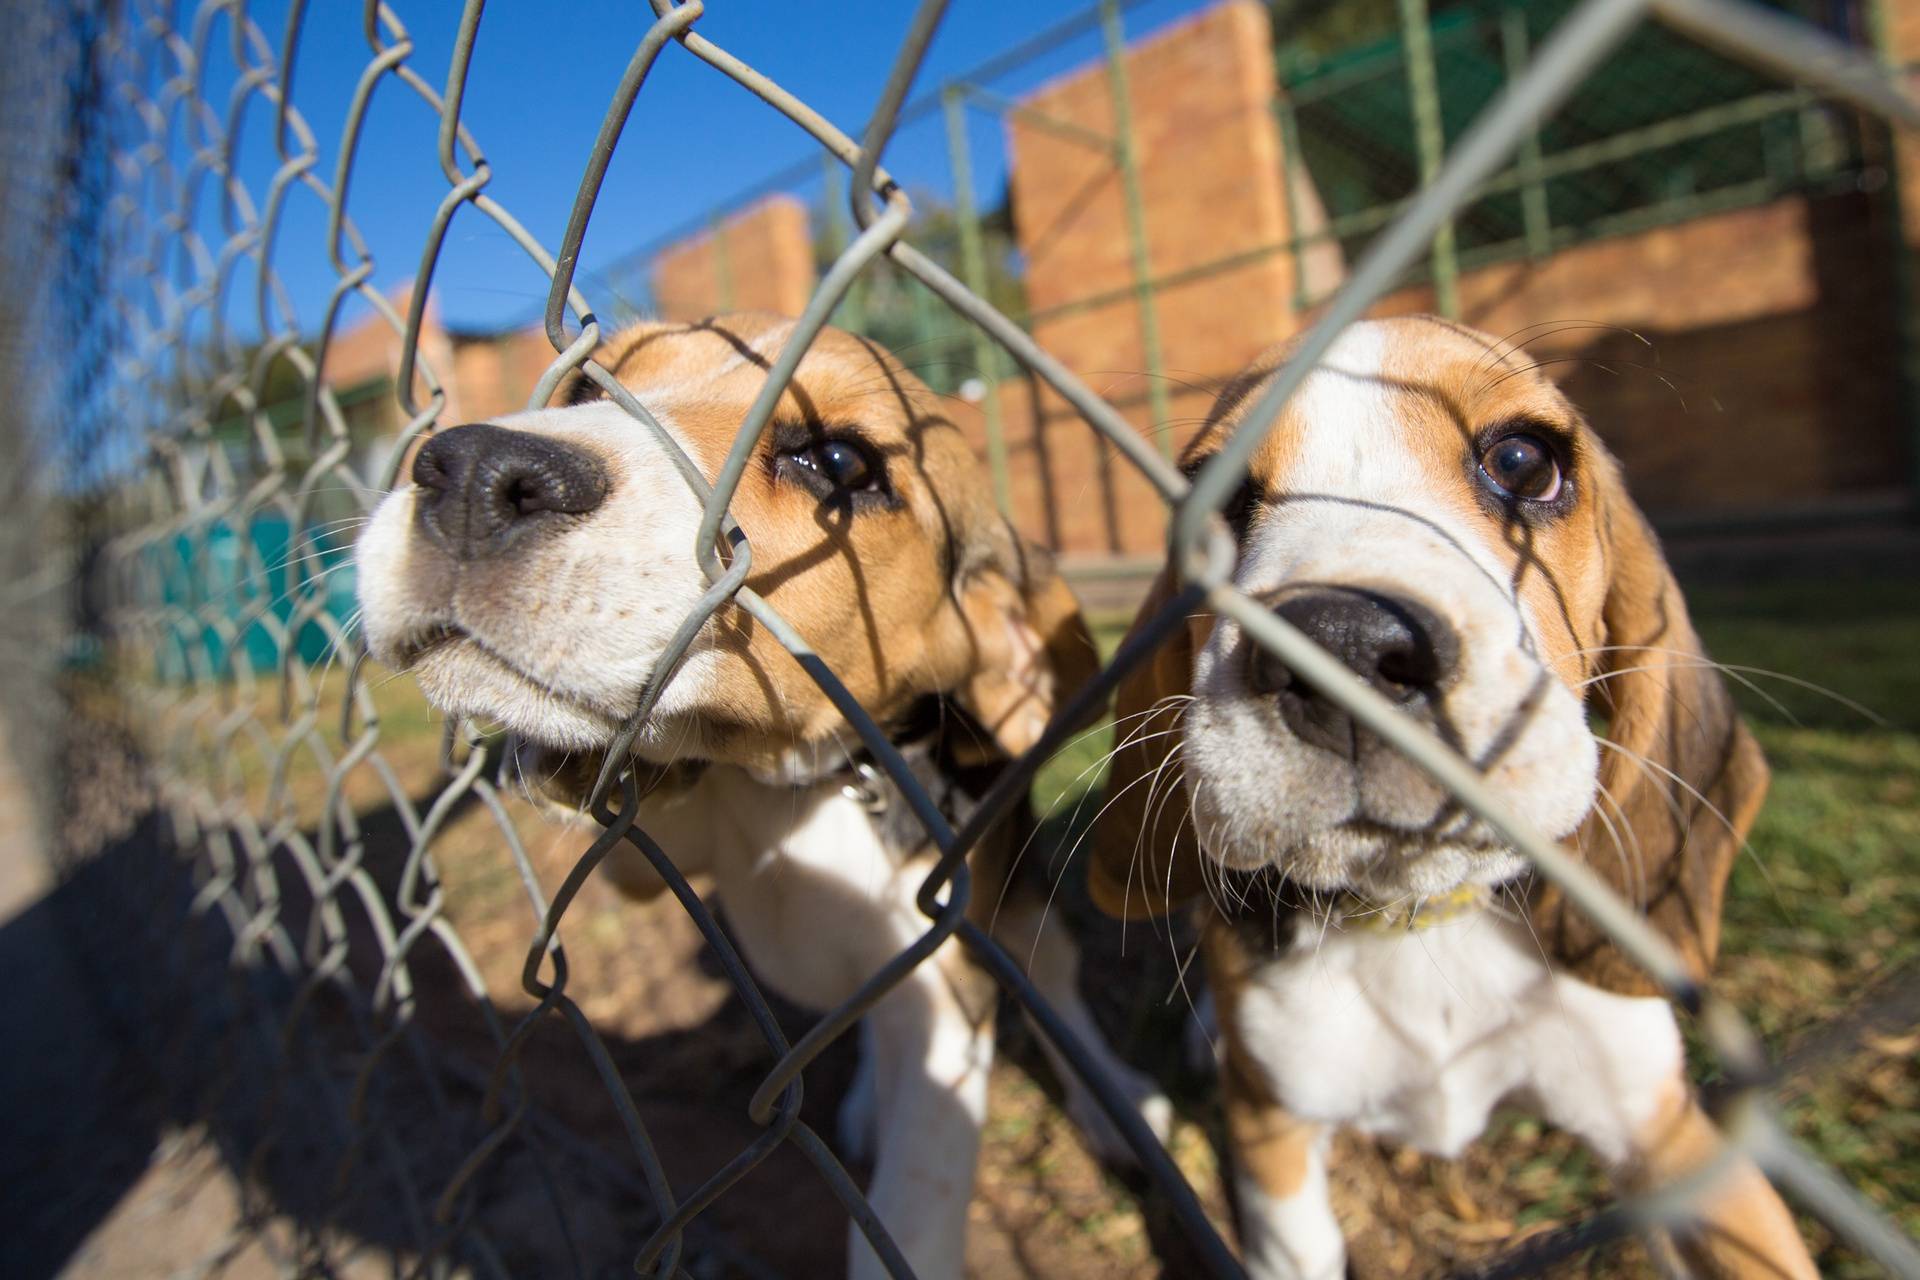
(1408, 915)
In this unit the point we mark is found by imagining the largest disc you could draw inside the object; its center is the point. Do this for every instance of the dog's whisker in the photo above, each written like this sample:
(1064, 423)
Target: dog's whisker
(1553, 328)
(1159, 776)
(1605, 365)
(1632, 867)
(1179, 986)
(1741, 674)
(1080, 799)
(1112, 798)
(1685, 821)
(1601, 681)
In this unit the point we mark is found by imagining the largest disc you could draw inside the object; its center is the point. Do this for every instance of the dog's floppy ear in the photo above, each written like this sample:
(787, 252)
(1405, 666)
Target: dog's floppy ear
(1032, 647)
(1145, 859)
(1681, 778)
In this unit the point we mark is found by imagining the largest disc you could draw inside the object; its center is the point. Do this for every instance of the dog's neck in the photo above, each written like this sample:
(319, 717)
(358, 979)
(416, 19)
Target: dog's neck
(1266, 907)
(844, 758)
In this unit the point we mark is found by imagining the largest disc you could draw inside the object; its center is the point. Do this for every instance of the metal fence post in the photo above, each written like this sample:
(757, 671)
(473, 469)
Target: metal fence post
(1430, 139)
(851, 314)
(1292, 164)
(973, 269)
(1158, 402)
(1535, 214)
(927, 329)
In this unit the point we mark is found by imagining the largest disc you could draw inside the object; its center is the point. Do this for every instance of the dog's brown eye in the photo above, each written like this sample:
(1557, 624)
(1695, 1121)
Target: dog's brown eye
(1522, 466)
(842, 463)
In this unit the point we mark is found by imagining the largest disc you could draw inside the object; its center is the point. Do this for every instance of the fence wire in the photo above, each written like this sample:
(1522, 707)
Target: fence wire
(232, 705)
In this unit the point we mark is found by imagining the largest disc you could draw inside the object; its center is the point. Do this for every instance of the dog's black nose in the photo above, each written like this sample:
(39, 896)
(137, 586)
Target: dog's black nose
(1399, 646)
(482, 486)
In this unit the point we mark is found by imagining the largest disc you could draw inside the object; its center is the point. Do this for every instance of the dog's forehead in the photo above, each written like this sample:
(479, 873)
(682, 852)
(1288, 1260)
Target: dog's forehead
(719, 367)
(1407, 394)
(1473, 378)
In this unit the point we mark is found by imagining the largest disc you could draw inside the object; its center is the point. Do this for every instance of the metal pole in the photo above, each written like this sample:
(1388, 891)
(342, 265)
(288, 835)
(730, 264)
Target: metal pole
(1430, 138)
(1123, 155)
(1291, 164)
(851, 314)
(1819, 156)
(926, 319)
(973, 269)
(1535, 215)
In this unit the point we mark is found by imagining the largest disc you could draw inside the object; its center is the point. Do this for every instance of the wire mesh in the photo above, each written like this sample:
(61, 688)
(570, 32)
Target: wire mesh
(224, 616)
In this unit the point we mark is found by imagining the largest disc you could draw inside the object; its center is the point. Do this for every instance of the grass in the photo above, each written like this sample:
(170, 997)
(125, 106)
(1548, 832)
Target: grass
(1825, 911)
(1830, 876)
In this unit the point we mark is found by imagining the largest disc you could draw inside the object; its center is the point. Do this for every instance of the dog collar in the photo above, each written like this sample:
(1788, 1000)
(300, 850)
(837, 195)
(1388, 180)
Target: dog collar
(1409, 915)
(918, 737)
(866, 784)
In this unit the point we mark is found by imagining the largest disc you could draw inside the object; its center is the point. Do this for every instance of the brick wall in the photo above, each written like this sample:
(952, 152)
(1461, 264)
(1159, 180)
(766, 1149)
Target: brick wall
(497, 372)
(1208, 155)
(483, 375)
(1900, 36)
(768, 264)
(1735, 363)
(768, 261)
(367, 350)
(758, 259)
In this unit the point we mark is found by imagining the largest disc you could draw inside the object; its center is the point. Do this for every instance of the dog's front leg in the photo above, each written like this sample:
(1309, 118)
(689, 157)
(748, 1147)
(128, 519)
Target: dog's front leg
(932, 1046)
(1740, 1230)
(1287, 1227)
(1610, 1069)
(1051, 958)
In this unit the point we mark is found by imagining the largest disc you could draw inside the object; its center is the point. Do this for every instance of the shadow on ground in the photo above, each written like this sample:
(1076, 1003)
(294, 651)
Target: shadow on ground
(150, 1025)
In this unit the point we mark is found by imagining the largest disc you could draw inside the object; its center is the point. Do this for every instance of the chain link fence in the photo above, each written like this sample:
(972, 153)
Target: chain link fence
(264, 738)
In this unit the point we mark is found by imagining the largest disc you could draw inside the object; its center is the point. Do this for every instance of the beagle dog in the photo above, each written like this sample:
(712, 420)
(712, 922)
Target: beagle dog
(532, 573)
(1432, 510)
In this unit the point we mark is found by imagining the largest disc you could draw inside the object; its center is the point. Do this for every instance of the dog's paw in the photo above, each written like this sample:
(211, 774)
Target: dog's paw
(1295, 1237)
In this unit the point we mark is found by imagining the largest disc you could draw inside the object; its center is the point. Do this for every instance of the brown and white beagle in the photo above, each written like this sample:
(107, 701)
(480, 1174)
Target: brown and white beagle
(1435, 513)
(533, 570)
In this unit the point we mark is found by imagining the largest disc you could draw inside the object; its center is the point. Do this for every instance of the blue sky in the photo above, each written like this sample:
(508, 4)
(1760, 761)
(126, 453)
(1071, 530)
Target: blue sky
(543, 73)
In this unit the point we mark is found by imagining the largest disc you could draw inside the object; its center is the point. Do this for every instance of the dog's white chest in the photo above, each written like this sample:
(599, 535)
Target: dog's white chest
(817, 900)
(1417, 1036)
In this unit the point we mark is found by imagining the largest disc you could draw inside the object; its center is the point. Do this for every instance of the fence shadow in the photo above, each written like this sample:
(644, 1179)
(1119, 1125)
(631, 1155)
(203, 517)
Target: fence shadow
(341, 1125)
(80, 1118)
